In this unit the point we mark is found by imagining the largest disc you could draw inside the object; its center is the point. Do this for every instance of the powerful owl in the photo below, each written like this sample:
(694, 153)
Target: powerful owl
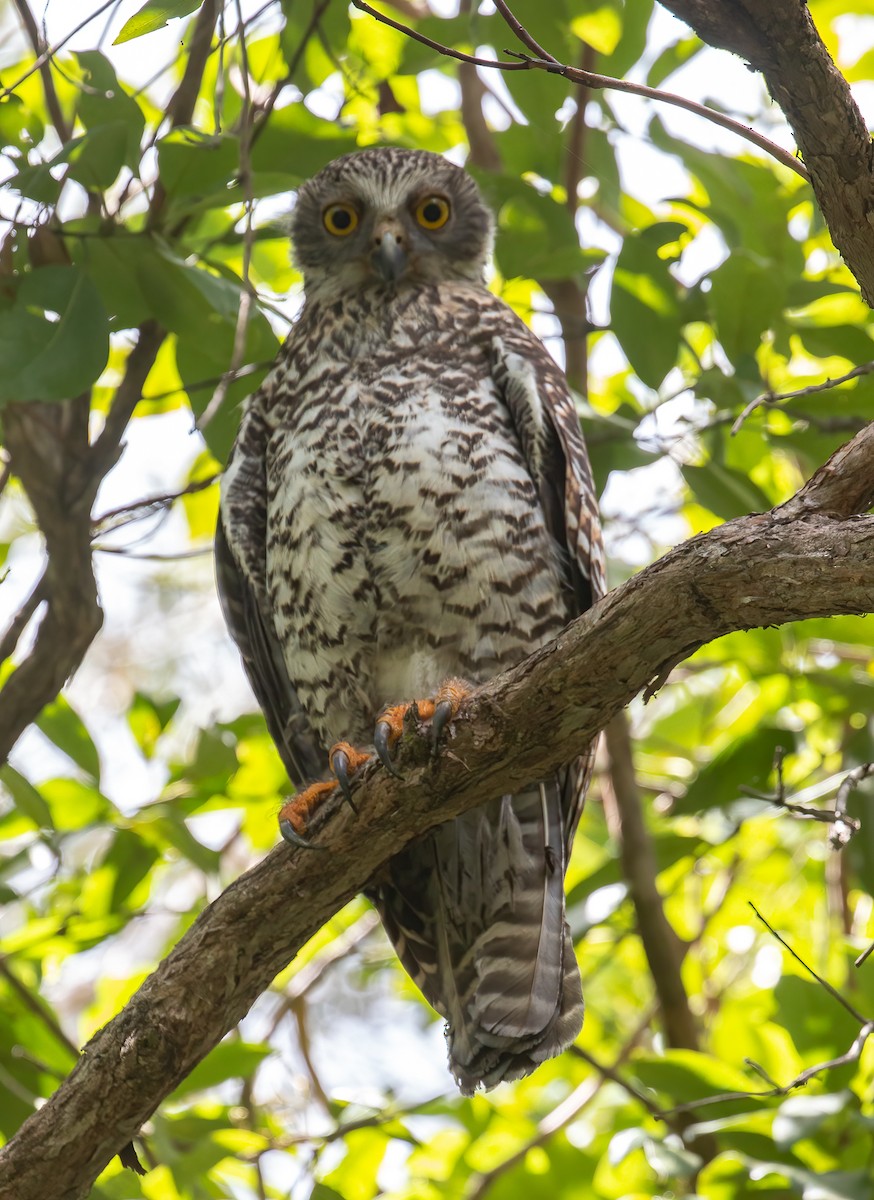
(409, 502)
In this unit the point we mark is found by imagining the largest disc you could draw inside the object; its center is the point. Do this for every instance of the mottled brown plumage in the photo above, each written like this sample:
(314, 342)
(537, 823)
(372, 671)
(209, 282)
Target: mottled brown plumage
(409, 498)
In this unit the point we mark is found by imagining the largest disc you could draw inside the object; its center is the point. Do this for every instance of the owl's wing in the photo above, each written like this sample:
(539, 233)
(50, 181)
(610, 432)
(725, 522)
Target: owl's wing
(546, 419)
(241, 575)
(543, 410)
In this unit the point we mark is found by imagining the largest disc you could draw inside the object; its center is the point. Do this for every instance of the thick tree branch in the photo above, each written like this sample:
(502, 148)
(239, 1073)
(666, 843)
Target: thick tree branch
(61, 473)
(48, 445)
(661, 945)
(779, 38)
(789, 564)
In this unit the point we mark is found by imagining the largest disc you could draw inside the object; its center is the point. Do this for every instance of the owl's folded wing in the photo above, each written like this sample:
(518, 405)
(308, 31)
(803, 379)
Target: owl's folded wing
(241, 575)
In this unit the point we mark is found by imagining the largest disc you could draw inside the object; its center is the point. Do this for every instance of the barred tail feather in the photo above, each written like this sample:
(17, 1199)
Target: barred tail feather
(476, 912)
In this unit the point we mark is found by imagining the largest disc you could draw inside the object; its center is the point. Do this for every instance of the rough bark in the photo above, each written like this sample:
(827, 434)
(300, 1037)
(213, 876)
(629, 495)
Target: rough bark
(794, 562)
(779, 38)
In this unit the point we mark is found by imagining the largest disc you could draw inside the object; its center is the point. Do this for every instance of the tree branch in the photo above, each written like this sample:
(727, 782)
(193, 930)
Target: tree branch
(779, 38)
(523, 62)
(40, 49)
(794, 562)
(662, 947)
(61, 473)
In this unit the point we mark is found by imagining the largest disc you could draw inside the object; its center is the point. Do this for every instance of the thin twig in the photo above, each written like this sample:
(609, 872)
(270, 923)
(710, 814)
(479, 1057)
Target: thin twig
(833, 991)
(853, 1054)
(202, 384)
(177, 556)
(246, 295)
(35, 38)
(772, 398)
(22, 618)
(522, 33)
(614, 1076)
(36, 1005)
(47, 54)
(448, 51)
(590, 80)
(845, 825)
(109, 520)
(265, 109)
(575, 75)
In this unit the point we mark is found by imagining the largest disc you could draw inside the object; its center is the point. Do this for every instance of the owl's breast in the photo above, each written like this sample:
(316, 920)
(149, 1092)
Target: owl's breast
(404, 520)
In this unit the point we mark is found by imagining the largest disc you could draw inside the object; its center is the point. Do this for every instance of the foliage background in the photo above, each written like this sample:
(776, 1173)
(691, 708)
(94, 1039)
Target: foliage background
(150, 783)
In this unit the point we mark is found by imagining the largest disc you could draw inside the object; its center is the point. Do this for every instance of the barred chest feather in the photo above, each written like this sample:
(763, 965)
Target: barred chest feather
(405, 539)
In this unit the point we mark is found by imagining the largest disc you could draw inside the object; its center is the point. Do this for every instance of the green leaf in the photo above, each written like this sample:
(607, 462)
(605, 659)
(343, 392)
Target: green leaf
(746, 297)
(54, 337)
(131, 858)
(194, 164)
(672, 58)
(148, 720)
(97, 158)
(725, 492)
(74, 804)
(229, 1060)
(746, 762)
(600, 28)
(64, 727)
(104, 101)
(536, 236)
(154, 15)
(644, 313)
(114, 262)
(26, 798)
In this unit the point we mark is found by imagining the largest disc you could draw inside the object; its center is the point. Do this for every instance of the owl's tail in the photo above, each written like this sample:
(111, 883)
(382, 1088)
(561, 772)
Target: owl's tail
(477, 914)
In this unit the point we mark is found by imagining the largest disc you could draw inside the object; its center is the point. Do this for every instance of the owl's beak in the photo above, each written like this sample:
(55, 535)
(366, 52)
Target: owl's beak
(389, 257)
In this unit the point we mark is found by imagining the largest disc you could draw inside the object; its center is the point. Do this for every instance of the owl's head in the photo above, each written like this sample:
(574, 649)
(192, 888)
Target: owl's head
(389, 216)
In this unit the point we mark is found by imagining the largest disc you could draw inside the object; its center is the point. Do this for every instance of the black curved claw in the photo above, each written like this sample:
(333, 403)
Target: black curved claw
(383, 750)
(443, 714)
(293, 838)
(340, 767)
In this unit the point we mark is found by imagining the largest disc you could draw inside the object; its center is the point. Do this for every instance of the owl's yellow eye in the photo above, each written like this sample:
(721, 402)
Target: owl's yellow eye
(340, 219)
(432, 212)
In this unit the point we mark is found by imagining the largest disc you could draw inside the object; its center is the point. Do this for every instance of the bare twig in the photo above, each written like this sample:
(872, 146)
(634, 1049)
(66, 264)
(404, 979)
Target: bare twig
(522, 33)
(615, 1076)
(116, 518)
(844, 826)
(833, 991)
(246, 294)
(47, 53)
(48, 445)
(265, 109)
(773, 398)
(849, 785)
(853, 1054)
(590, 80)
(22, 618)
(35, 1004)
(128, 394)
(45, 70)
(661, 945)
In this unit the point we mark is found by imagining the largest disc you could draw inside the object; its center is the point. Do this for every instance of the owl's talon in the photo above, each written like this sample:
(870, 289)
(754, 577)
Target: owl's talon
(340, 766)
(443, 714)
(382, 743)
(290, 835)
